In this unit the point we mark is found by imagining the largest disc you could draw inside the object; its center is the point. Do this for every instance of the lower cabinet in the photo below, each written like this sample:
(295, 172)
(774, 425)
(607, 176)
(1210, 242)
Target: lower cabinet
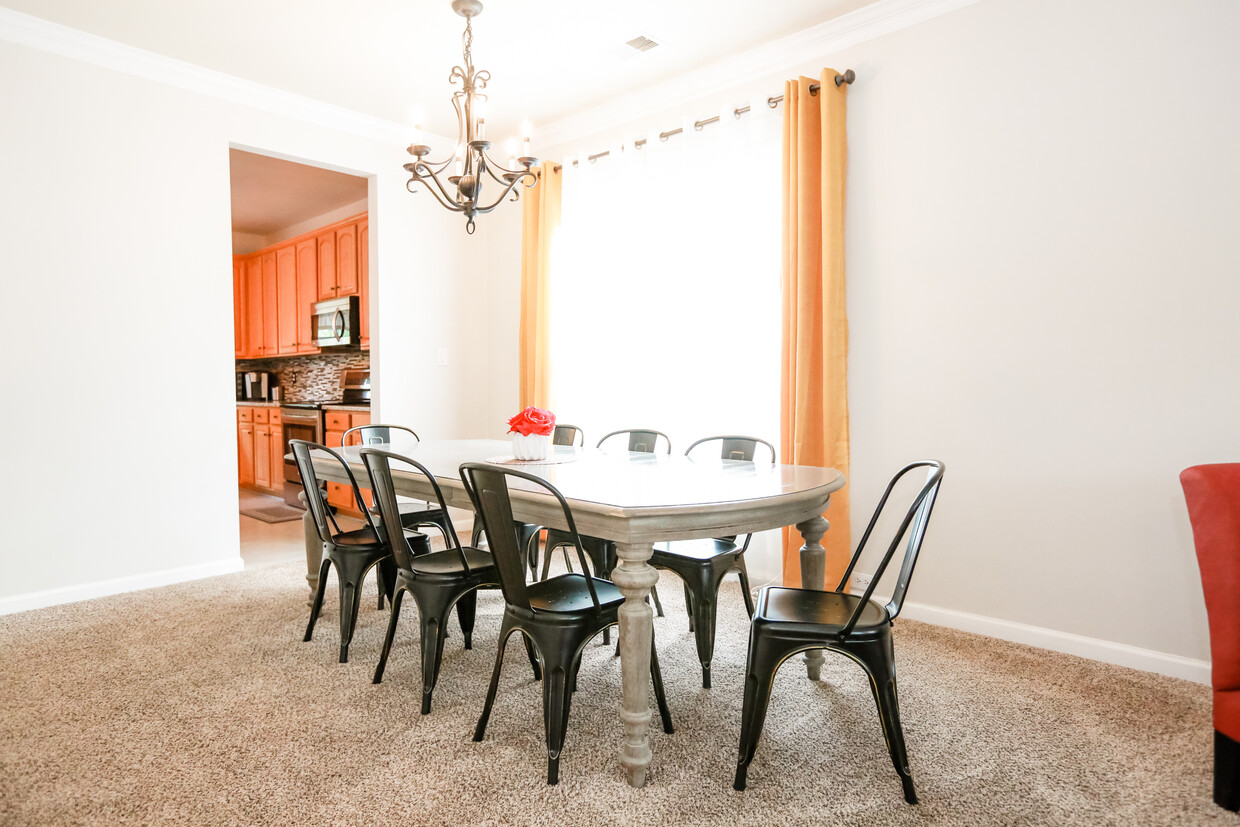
(260, 448)
(338, 494)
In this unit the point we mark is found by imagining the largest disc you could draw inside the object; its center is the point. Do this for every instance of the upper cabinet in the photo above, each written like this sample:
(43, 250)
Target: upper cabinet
(274, 290)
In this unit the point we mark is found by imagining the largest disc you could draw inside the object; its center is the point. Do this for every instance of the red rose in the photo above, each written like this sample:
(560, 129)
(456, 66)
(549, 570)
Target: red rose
(532, 421)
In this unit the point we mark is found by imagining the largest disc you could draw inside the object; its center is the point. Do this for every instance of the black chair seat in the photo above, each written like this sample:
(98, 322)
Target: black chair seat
(569, 593)
(362, 539)
(696, 549)
(818, 612)
(442, 563)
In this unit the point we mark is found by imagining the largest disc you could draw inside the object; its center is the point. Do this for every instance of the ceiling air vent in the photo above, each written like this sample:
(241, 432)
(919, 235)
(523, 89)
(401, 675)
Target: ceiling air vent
(642, 43)
(635, 45)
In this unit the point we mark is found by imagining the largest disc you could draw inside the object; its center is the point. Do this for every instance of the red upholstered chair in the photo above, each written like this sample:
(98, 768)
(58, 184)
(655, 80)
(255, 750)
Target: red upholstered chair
(1213, 496)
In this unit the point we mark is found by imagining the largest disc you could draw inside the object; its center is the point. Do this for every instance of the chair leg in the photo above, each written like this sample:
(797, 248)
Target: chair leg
(689, 606)
(568, 562)
(658, 604)
(704, 601)
(385, 575)
(656, 677)
(533, 655)
(317, 605)
(391, 633)
(481, 729)
(546, 569)
(879, 660)
(1226, 772)
(434, 605)
(466, 608)
(760, 670)
(745, 590)
(556, 699)
(350, 606)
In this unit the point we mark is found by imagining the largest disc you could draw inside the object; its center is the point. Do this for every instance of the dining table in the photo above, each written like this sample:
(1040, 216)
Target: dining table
(635, 500)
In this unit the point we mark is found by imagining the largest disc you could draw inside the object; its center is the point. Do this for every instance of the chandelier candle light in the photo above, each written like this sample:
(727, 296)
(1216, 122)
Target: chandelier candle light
(470, 161)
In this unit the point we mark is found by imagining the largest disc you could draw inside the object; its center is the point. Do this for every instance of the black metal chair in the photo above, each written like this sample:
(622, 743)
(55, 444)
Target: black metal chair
(602, 552)
(412, 514)
(568, 435)
(797, 620)
(557, 616)
(438, 580)
(352, 553)
(702, 564)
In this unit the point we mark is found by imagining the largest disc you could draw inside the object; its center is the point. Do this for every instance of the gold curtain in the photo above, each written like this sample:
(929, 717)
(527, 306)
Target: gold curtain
(814, 386)
(540, 220)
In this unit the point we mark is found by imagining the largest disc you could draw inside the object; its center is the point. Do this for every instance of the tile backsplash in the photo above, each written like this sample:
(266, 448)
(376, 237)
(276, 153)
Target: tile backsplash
(314, 376)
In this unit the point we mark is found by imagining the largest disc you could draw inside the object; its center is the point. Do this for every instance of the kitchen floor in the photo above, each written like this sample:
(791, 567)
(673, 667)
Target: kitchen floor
(269, 544)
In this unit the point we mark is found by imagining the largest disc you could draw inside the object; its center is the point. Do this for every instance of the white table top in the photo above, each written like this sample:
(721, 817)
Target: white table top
(673, 497)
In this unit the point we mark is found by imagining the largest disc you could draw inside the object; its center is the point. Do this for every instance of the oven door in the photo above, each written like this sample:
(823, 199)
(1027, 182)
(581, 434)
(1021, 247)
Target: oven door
(298, 423)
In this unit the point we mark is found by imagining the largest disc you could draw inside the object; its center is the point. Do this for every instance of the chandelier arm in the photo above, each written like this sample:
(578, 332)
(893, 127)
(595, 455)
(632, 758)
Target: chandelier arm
(491, 166)
(439, 184)
(449, 205)
(511, 186)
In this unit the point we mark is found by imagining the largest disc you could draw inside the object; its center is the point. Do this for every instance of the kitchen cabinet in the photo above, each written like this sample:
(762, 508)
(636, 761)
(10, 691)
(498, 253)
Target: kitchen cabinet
(337, 423)
(274, 290)
(307, 292)
(260, 447)
(287, 309)
(238, 311)
(363, 280)
(252, 293)
(270, 338)
(245, 446)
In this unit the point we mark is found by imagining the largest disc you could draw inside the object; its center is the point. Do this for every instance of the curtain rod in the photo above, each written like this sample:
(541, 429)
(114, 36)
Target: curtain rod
(840, 79)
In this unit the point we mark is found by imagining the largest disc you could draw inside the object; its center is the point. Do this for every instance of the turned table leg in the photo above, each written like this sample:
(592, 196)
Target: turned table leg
(634, 577)
(813, 572)
(314, 546)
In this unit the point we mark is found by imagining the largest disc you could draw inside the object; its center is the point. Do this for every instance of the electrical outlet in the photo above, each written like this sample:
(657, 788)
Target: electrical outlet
(861, 581)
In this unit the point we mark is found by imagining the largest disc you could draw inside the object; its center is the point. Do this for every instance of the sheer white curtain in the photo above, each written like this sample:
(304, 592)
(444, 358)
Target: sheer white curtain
(665, 300)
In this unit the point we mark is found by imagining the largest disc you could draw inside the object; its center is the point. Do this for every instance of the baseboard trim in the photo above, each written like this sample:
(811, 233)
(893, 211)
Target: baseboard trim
(1120, 654)
(119, 585)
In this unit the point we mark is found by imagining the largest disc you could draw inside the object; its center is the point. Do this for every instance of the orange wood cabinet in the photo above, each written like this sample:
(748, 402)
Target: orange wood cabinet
(238, 307)
(252, 293)
(271, 343)
(245, 446)
(337, 422)
(287, 309)
(307, 292)
(260, 447)
(274, 290)
(363, 277)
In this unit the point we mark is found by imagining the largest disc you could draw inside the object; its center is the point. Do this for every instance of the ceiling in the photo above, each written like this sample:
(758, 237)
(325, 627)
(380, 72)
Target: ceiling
(269, 195)
(388, 58)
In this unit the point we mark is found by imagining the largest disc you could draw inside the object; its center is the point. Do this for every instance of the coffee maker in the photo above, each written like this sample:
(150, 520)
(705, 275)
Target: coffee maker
(256, 385)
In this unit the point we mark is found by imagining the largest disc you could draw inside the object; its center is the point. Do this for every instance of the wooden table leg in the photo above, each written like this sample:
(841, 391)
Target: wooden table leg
(314, 546)
(813, 572)
(634, 577)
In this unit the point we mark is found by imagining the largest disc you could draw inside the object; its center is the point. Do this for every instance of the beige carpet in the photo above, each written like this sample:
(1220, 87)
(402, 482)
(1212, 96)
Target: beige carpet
(199, 704)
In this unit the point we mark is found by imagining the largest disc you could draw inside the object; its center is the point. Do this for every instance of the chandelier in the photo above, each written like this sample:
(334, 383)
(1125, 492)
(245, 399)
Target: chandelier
(471, 163)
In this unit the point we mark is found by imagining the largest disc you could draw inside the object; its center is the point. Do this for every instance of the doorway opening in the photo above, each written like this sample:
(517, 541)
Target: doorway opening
(301, 265)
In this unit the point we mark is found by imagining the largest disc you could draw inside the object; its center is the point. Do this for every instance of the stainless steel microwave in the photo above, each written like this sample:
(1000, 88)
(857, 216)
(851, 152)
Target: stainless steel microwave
(337, 323)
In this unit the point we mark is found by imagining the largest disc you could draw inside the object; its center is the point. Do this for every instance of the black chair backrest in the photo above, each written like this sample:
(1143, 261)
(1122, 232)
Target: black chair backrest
(568, 435)
(379, 468)
(324, 521)
(641, 440)
(487, 485)
(742, 448)
(913, 525)
(375, 434)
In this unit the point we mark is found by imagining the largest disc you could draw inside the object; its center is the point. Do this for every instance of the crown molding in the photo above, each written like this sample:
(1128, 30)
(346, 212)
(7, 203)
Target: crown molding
(864, 24)
(37, 33)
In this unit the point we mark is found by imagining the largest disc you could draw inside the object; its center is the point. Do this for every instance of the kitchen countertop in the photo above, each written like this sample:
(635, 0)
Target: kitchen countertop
(249, 403)
(351, 408)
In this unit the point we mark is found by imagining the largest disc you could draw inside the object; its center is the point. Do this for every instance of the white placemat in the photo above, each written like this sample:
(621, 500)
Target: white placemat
(552, 459)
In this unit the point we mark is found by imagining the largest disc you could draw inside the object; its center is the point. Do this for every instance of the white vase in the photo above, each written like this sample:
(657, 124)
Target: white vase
(534, 446)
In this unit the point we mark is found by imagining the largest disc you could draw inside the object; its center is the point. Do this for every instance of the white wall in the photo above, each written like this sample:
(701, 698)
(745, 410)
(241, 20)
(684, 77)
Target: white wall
(1042, 262)
(116, 223)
